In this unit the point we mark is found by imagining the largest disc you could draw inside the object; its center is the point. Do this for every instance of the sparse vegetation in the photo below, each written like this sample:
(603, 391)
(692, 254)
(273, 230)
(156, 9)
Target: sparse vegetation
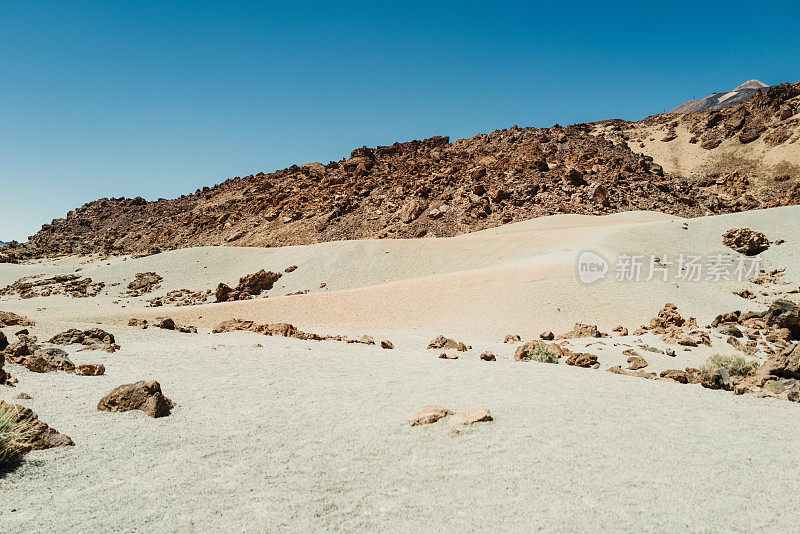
(8, 433)
(540, 352)
(734, 364)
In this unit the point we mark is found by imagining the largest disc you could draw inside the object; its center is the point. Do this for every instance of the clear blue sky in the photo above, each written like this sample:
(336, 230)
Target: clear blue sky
(103, 99)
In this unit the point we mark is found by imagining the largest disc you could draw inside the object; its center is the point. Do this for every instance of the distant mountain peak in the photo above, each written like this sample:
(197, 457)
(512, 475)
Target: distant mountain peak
(752, 84)
(744, 92)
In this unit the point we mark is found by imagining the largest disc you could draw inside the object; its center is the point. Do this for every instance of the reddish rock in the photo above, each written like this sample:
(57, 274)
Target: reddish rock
(35, 435)
(473, 416)
(429, 415)
(636, 362)
(90, 369)
(745, 241)
(442, 342)
(145, 396)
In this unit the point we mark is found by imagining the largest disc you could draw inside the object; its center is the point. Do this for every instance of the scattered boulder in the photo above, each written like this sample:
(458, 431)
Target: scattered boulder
(3, 341)
(675, 374)
(138, 323)
(144, 283)
(512, 338)
(90, 369)
(145, 396)
(86, 337)
(637, 362)
(745, 241)
(49, 359)
(488, 356)
(583, 330)
(547, 336)
(621, 330)
(290, 269)
(442, 342)
(34, 434)
(716, 379)
(164, 323)
(446, 356)
(250, 285)
(639, 374)
(582, 360)
(12, 319)
(473, 416)
(784, 314)
(386, 344)
(429, 415)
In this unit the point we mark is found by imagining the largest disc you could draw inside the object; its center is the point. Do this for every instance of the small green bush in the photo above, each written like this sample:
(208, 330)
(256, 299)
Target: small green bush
(735, 365)
(8, 433)
(542, 353)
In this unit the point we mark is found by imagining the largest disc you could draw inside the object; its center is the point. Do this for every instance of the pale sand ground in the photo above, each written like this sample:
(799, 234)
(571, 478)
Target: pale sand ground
(302, 435)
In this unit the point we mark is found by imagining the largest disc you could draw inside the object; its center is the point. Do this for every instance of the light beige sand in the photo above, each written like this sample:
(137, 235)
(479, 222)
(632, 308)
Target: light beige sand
(299, 435)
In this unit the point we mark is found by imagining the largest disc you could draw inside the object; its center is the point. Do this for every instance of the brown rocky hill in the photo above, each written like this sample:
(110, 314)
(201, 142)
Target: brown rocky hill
(759, 138)
(437, 188)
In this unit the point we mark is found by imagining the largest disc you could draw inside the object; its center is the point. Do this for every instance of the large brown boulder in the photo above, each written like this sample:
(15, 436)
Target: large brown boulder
(784, 314)
(784, 364)
(3, 341)
(145, 396)
(745, 241)
(32, 433)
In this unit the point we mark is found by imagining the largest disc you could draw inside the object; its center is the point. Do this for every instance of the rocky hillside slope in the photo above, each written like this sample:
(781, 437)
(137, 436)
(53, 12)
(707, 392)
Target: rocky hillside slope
(759, 139)
(438, 188)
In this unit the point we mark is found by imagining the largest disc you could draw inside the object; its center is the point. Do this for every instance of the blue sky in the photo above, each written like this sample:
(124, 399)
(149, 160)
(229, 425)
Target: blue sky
(103, 99)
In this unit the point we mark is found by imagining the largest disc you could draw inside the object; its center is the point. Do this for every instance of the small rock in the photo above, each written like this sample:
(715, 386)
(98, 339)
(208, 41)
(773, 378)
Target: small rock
(90, 369)
(386, 344)
(428, 415)
(470, 417)
(637, 362)
(488, 356)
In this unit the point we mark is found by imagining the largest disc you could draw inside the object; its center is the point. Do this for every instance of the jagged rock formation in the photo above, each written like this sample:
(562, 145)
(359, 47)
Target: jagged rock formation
(434, 187)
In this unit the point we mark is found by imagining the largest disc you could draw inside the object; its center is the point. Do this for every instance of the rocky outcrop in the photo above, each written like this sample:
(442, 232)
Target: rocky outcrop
(145, 396)
(249, 286)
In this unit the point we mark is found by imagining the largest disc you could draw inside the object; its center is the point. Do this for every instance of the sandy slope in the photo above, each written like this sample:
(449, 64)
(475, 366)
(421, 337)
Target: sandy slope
(683, 158)
(300, 435)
